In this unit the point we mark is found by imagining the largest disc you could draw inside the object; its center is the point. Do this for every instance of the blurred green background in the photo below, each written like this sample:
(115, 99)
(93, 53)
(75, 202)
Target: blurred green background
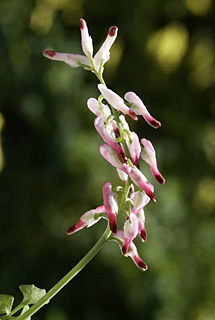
(52, 172)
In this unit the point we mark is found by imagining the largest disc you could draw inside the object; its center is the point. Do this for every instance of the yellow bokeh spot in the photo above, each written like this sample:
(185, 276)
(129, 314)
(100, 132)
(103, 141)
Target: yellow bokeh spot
(56, 4)
(198, 7)
(202, 60)
(42, 19)
(169, 45)
(204, 199)
(1, 151)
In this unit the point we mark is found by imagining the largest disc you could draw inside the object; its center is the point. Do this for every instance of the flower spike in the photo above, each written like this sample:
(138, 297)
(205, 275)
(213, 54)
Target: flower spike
(122, 150)
(139, 108)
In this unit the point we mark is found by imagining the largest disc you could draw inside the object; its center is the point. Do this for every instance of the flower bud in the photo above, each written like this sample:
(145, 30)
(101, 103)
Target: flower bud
(103, 55)
(86, 40)
(148, 154)
(139, 108)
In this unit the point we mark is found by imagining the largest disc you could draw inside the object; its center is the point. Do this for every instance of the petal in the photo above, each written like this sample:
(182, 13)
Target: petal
(110, 155)
(76, 227)
(140, 180)
(130, 232)
(133, 254)
(108, 135)
(88, 219)
(134, 148)
(141, 225)
(132, 141)
(148, 154)
(103, 55)
(99, 109)
(111, 205)
(86, 40)
(122, 175)
(140, 200)
(73, 60)
(140, 109)
(116, 101)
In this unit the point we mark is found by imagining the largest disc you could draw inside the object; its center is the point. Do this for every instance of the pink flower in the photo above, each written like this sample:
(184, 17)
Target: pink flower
(110, 155)
(136, 105)
(73, 60)
(130, 232)
(116, 101)
(111, 206)
(140, 180)
(140, 200)
(132, 252)
(106, 131)
(133, 172)
(88, 219)
(132, 142)
(86, 40)
(141, 225)
(87, 61)
(148, 154)
(103, 55)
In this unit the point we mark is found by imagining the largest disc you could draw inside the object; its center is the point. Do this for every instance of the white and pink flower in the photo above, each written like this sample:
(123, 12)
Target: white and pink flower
(116, 101)
(138, 107)
(148, 154)
(111, 206)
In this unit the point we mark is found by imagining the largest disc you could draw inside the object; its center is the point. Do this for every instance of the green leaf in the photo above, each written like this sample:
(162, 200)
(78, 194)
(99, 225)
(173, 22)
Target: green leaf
(26, 308)
(6, 303)
(31, 294)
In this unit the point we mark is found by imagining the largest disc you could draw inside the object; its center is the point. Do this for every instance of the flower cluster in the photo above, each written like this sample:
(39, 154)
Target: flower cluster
(122, 149)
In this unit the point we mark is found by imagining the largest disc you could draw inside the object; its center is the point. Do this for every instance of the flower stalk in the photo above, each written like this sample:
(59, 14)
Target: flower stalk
(68, 277)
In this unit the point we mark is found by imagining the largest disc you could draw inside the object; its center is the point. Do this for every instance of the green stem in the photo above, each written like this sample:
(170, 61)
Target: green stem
(68, 277)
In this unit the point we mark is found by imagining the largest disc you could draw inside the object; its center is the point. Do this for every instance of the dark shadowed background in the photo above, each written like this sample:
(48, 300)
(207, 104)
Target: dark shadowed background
(52, 172)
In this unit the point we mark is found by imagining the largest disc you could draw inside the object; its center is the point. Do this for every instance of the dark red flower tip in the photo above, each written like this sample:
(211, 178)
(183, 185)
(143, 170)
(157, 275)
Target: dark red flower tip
(117, 131)
(124, 250)
(113, 227)
(81, 23)
(72, 229)
(122, 156)
(132, 115)
(49, 53)
(160, 179)
(112, 31)
(154, 123)
(143, 235)
(142, 265)
(150, 194)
